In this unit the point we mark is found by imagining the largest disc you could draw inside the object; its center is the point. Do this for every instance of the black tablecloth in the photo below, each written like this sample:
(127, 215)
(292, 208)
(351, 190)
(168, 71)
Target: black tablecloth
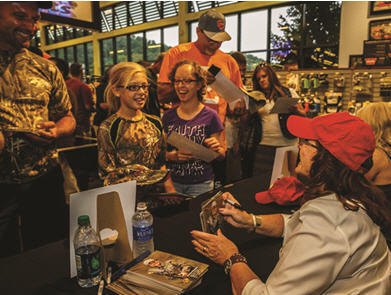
(46, 270)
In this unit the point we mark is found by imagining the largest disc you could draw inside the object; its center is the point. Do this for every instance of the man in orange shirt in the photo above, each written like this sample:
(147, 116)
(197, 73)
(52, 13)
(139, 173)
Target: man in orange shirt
(211, 33)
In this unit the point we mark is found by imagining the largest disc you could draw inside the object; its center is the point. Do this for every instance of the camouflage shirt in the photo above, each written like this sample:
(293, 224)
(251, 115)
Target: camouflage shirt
(131, 150)
(32, 90)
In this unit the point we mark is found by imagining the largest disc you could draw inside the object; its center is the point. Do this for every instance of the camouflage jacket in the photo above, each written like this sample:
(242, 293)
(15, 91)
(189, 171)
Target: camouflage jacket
(131, 150)
(32, 90)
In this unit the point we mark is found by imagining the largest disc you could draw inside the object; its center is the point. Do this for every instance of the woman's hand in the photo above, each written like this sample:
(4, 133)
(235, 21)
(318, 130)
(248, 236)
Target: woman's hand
(183, 156)
(298, 109)
(179, 156)
(213, 144)
(236, 217)
(216, 247)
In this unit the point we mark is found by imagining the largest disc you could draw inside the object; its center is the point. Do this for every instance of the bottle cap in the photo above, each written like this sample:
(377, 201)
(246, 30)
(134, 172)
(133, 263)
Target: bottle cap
(83, 220)
(141, 206)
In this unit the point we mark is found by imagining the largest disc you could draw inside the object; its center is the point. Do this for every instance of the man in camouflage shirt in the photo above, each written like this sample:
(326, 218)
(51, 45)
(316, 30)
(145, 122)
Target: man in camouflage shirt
(35, 110)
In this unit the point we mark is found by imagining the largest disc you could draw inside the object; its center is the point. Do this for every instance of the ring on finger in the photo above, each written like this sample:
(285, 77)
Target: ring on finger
(205, 249)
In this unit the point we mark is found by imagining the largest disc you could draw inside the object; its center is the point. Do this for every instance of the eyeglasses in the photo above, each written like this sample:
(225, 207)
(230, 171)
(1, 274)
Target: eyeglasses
(307, 142)
(210, 40)
(185, 82)
(135, 87)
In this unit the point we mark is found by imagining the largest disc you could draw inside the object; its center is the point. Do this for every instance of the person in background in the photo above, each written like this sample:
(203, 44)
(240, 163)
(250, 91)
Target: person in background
(232, 162)
(152, 106)
(196, 122)
(205, 50)
(35, 111)
(102, 108)
(269, 130)
(62, 65)
(85, 101)
(242, 63)
(378, 116)
(130, 143)
(335, 239)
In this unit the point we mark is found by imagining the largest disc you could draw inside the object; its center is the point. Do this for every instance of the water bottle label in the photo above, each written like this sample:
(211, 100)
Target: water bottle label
(88, 265)
(142, 234)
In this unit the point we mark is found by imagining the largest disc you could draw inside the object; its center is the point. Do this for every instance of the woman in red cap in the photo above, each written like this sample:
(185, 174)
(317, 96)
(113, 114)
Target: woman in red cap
(334, 243)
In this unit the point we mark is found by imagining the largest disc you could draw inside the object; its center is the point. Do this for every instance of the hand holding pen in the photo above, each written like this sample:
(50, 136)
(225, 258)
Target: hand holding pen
(233, 213)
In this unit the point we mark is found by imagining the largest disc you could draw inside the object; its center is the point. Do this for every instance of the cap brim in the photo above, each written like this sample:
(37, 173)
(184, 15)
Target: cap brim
(263, 197)
(301, 127)
(218, 36)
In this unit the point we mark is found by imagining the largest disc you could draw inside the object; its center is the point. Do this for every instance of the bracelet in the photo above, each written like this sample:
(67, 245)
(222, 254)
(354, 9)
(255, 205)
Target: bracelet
(254, 223)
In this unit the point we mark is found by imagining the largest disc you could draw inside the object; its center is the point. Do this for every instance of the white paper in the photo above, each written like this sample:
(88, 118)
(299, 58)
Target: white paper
(228, 90)
(84, 203)
(198, 150)
(283, 105)
(279, 159)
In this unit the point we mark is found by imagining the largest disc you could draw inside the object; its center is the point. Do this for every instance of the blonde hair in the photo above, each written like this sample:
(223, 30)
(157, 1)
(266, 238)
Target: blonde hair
(378, 116)
(120, 75)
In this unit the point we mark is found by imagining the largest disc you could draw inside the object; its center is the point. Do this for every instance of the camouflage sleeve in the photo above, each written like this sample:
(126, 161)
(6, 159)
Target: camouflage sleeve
(106, 153)
(161, 158)
(60, 102)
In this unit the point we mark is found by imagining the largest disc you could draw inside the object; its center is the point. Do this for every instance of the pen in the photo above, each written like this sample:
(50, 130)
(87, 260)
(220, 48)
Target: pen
(236, 205)
(123, 268)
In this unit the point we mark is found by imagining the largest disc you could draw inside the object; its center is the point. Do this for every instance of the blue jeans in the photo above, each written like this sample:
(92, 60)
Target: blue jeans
(194, 189)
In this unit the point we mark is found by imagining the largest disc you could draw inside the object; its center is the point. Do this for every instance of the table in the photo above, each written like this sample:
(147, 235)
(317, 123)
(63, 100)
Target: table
(46, 270)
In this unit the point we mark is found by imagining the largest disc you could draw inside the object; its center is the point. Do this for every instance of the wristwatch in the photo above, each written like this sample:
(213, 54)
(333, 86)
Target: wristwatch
(237, 257)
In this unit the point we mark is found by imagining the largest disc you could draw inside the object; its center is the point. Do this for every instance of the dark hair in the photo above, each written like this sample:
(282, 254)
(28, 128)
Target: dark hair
(76, 69)
(160, 57)
(239, 57)
(144, 63)
(275, 84)
(62, 65)
(352, 188)
(198, 73)
(106, 75)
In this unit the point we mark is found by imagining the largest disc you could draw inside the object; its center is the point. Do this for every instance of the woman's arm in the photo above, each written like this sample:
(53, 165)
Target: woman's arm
(168, 185)
(270, 225)
(219, 249)
(215, 145)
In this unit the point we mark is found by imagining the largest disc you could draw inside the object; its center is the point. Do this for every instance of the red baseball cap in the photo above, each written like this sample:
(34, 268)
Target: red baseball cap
(284, 191)
(346, 137)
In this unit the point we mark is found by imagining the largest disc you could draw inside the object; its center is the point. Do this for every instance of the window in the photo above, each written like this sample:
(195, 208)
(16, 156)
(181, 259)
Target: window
(137, 47)
(195, 6)
(107, 53)
(170, 37)
(80, 56)
(153, 44)
(253, 31)
(121, 48)
(70, 57)
(58, 33)
(142, 46)
(90, 59)
(231, 29)
(276, 34)
(133, 13)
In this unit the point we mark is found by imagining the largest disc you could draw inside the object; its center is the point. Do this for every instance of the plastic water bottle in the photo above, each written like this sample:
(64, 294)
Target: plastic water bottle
(142, 230)
(87, 253)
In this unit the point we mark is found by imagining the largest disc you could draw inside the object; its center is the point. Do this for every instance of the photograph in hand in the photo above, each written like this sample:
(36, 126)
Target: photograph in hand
(211, 219)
